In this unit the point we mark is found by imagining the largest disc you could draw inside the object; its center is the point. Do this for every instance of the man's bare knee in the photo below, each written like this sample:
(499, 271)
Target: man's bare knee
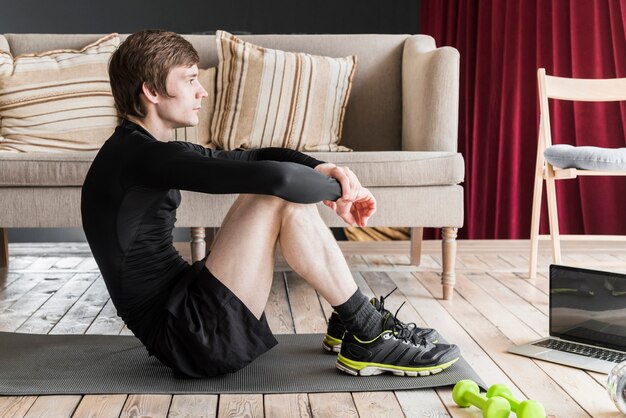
(279, 202)
(299, 211)
(264, 199)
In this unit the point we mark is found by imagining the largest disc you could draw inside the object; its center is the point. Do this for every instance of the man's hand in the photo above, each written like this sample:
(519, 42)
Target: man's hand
(356, 205)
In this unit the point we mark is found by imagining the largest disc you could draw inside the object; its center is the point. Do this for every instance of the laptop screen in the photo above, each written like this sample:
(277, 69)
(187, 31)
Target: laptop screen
(588, 306)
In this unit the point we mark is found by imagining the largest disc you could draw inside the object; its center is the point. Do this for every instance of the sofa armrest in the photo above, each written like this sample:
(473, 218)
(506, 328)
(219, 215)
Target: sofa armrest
(430, 96)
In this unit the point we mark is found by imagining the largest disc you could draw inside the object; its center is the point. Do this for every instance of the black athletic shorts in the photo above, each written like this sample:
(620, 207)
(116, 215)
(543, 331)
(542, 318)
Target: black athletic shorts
(208, 331)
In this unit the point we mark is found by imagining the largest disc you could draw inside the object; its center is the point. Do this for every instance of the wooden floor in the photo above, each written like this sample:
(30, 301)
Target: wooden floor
(56, 288)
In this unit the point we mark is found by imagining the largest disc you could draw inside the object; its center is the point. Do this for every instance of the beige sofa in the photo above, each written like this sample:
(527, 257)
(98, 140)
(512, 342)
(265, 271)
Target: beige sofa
(401, 120)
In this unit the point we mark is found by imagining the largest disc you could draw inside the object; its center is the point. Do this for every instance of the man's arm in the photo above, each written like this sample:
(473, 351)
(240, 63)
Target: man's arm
(175, 165)
(260, 154)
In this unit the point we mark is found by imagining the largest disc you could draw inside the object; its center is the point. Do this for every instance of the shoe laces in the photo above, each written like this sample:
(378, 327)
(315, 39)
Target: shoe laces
(405, 332)
(381, 303)
(383, 311)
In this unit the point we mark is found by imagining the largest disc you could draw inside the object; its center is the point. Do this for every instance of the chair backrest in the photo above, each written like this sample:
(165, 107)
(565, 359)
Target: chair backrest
(575, 89)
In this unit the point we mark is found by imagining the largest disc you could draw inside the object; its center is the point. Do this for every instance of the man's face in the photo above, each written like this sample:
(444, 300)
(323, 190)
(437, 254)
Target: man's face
(182, 108)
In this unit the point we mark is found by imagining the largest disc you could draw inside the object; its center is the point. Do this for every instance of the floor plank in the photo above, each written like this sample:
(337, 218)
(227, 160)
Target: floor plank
(249, 406)
(287, 405)
(48, 314)
(277, 310)
(82, 314)
(332, 405)
(101, 406)
(523, 288)
(107, 322)
(515, 304)
(13, 316)
(15, 406)
(305, 305)
(421, 403)
(19, 287)
(377, 404)
(53, 406)
(146, 405)
(193, 406)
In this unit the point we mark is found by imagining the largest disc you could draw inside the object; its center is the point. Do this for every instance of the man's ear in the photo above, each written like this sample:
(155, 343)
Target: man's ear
(150, 94)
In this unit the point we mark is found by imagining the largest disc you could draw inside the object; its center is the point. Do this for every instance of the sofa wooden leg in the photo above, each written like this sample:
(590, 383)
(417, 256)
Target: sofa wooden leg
(448, 278)
(198, 245)
(416, 245)
(4, 247)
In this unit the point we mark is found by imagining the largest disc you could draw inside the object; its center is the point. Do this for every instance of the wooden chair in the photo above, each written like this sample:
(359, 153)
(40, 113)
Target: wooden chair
(550, 87)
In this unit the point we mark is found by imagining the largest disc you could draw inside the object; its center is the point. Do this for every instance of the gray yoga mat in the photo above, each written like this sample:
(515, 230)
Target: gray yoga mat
(35, 364)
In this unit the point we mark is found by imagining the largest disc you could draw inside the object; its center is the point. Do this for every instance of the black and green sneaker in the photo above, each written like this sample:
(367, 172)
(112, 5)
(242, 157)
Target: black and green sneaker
(398, 351)
(336, 329)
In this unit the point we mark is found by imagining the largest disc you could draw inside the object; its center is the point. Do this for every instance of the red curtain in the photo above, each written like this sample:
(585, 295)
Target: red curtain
(502, 43)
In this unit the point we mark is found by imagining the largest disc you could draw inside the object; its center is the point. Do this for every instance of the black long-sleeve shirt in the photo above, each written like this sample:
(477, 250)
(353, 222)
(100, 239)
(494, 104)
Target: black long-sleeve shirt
(129, 201)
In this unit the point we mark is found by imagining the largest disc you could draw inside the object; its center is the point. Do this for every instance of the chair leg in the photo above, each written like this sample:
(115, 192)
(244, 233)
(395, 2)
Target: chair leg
(4, 247)
(198, 245)
(448, 278)
(553, 215)
(416, 245)
(535, 220)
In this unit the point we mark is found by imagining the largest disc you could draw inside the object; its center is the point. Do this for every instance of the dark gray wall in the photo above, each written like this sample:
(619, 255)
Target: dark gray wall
(188, 16)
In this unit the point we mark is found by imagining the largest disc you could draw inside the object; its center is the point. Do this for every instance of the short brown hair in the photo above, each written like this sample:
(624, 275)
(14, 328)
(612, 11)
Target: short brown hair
(146, 56)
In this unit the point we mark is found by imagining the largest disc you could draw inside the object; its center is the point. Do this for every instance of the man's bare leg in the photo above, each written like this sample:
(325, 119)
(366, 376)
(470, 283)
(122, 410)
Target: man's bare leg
(312, 251)
(242, 254)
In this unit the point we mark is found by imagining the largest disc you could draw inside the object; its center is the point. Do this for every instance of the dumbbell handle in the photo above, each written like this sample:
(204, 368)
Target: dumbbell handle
(512, 401)
(475, 399)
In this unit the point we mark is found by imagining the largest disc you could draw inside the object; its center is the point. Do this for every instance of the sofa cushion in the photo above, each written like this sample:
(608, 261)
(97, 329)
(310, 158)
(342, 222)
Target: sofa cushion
(44, 169)
(200, 134)
(267, 97)
(400, 168)
(374, 169)
(4, 44)
(57, 101)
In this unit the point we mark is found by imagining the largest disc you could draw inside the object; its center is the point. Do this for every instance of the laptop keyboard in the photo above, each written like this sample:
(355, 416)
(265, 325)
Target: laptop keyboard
(583, 350)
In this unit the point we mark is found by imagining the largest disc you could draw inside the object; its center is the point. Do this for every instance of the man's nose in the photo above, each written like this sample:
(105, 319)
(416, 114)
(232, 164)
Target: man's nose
(202, 92)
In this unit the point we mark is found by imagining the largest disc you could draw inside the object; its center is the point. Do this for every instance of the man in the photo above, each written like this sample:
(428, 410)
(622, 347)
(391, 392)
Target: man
(207, 319)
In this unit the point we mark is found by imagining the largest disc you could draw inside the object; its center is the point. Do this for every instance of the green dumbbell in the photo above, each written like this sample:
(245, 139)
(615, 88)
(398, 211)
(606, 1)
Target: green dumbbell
(524, 409)
(466, 393)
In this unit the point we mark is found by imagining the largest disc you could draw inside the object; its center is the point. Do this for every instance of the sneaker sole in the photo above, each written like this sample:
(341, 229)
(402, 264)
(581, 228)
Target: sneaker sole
(330, 344)
(357, 368)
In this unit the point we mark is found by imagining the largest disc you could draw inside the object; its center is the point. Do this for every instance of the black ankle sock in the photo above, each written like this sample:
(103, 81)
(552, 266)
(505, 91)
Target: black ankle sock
(360, 317)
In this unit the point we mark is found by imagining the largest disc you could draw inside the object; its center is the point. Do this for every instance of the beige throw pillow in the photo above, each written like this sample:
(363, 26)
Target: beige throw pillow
(57, 101)
(200, 134)
(266, 97)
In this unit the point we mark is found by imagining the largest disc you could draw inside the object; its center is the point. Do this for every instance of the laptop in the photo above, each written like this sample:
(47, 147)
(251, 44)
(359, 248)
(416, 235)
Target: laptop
(587, 320)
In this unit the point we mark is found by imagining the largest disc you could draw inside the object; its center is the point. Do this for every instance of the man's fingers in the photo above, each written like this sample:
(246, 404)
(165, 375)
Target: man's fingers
(355, 185)
(350, 185)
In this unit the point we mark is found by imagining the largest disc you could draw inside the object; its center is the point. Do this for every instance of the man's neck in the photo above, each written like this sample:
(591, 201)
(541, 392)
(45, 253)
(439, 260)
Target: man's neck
(156, 128)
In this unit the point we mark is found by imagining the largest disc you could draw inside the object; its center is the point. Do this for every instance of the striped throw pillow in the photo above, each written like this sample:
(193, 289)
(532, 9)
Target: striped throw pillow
(57, 101)
(200, 134)
(271, 98)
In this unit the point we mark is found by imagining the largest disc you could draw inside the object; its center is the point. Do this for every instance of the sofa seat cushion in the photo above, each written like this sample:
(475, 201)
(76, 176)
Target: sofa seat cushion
(44, 169)
(374, 169)
(400, 168)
